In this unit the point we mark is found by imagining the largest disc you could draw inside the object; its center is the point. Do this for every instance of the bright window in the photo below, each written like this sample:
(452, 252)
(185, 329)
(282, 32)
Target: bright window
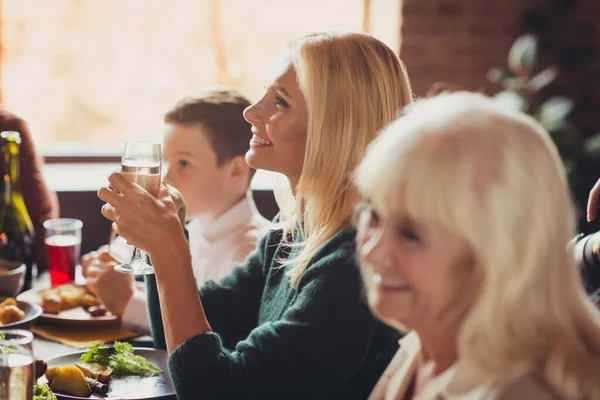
(88, 74)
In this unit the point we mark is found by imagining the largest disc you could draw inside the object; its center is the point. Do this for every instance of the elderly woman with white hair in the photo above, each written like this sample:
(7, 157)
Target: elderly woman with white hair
(462, 242)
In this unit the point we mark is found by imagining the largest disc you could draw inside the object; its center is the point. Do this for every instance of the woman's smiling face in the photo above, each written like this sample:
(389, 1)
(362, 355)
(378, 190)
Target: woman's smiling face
(415, 272)
(279, 124)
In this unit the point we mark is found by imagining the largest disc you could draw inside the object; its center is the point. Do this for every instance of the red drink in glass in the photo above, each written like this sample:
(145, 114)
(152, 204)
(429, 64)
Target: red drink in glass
(62, 252)
(63, 248)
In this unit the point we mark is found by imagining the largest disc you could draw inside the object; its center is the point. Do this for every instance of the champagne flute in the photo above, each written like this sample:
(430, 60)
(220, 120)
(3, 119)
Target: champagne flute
(141, 164)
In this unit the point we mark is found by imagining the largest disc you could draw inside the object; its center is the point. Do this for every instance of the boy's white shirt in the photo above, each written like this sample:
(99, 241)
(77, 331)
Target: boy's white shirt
(215, 250)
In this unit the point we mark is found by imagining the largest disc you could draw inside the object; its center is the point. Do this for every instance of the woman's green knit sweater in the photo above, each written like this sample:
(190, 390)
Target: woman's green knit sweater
(270, 340)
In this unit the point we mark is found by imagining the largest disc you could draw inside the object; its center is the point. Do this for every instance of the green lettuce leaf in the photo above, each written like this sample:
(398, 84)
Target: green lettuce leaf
(121, 359)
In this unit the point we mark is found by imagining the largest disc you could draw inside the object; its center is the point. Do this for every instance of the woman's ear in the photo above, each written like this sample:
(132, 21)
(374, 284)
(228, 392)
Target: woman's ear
(239, 170)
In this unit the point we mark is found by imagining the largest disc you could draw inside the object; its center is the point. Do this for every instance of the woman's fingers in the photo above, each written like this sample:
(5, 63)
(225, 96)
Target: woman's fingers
(109, 196)
(118, 186)
(115, 228)
(163, 191)
(592, 206)
(137, 213)
(177, 199)
(121, 184)
(109, 212)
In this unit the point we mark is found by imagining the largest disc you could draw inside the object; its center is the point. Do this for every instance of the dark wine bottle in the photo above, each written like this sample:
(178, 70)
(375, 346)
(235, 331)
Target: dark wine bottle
(17, 240)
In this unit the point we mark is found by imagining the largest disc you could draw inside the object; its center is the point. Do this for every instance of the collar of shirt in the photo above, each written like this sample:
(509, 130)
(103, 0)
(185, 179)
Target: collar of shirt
(230, 221)
(438, 387)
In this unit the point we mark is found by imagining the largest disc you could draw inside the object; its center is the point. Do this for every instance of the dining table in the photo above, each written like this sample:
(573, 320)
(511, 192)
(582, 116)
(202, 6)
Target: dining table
(44, 348)
(47, 349)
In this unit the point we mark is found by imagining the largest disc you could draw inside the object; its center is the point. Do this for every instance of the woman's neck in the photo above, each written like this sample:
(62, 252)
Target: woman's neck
(293, 182)
(439, 343)
(438, 353)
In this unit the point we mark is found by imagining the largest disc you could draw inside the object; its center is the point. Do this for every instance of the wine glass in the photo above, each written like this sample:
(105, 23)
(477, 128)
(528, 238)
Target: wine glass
(141, 164)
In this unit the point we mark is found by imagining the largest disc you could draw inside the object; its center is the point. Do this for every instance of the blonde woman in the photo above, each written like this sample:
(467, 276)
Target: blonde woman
(291, 322)
(462, 242)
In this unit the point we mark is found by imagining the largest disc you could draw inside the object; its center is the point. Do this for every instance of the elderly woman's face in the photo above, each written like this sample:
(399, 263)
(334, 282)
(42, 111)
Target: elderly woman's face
(416, 274)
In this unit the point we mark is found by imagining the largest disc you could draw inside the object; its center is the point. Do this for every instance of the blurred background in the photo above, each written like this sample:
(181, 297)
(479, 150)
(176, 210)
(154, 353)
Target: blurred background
(89, 74)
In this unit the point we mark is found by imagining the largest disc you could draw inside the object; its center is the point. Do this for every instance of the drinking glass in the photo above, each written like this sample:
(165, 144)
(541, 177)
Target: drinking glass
(141, 164)
(63, 248)
(16, 365)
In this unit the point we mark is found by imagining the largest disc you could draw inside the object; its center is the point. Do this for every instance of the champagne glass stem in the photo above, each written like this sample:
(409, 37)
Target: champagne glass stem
(136, 256)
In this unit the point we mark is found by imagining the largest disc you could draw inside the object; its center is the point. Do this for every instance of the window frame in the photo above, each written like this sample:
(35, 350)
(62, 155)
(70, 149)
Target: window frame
(77, 158)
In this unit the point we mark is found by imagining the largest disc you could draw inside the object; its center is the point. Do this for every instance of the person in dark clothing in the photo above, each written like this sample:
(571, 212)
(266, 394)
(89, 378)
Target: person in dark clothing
(292, 321)
(41, 202)
(586, 249)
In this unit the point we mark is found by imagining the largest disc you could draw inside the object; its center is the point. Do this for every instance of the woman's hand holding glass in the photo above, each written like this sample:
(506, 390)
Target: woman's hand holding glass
(146, 222)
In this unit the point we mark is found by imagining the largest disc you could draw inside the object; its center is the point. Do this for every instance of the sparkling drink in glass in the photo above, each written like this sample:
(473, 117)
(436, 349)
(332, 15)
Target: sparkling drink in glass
(16, 365)
(141, 164)
(63, 248)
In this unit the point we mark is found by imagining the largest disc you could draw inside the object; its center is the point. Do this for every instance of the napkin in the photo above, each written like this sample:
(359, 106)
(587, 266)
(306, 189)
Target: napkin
(81, 338)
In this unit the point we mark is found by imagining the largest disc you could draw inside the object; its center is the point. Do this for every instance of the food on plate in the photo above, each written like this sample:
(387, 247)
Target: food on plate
(64, 297)
(96, 386)
(40, 367)
(9, 301)
(97, 311)
(97, 371)
(69, 380)
(89, 300)
(121, 359)
(93, 372)
(51, 304)
(69, 296)
(10, 312)
(51, 372)
(41, 391)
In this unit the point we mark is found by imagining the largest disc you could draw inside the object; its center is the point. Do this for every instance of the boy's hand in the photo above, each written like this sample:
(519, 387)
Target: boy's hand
(114, 289)
(94, 257)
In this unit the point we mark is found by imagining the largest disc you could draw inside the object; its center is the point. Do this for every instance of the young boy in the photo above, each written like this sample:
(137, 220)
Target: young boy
(206, 138)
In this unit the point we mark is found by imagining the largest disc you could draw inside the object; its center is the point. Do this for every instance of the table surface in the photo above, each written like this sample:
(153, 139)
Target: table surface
(46, 349)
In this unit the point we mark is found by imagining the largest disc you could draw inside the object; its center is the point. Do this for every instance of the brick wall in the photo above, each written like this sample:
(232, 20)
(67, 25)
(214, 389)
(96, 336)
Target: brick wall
(457, 41)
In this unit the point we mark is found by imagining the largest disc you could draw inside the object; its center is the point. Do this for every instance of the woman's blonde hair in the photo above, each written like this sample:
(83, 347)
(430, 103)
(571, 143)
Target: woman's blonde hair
(354, 85)
(495, 178)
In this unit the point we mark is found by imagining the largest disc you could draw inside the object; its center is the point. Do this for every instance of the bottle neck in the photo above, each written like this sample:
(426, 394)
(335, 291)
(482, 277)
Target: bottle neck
(9, 172)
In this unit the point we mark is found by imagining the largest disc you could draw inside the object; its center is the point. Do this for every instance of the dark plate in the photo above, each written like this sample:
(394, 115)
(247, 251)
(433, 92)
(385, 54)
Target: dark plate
(32, 312)
(126, 387)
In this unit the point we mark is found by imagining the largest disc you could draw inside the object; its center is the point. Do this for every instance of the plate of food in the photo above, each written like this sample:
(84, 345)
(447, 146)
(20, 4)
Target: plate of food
(70, 304)
(16, 314)
(119, 372)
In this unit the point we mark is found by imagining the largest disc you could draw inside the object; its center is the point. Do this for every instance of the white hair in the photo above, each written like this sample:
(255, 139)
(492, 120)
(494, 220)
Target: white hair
(495, 178)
